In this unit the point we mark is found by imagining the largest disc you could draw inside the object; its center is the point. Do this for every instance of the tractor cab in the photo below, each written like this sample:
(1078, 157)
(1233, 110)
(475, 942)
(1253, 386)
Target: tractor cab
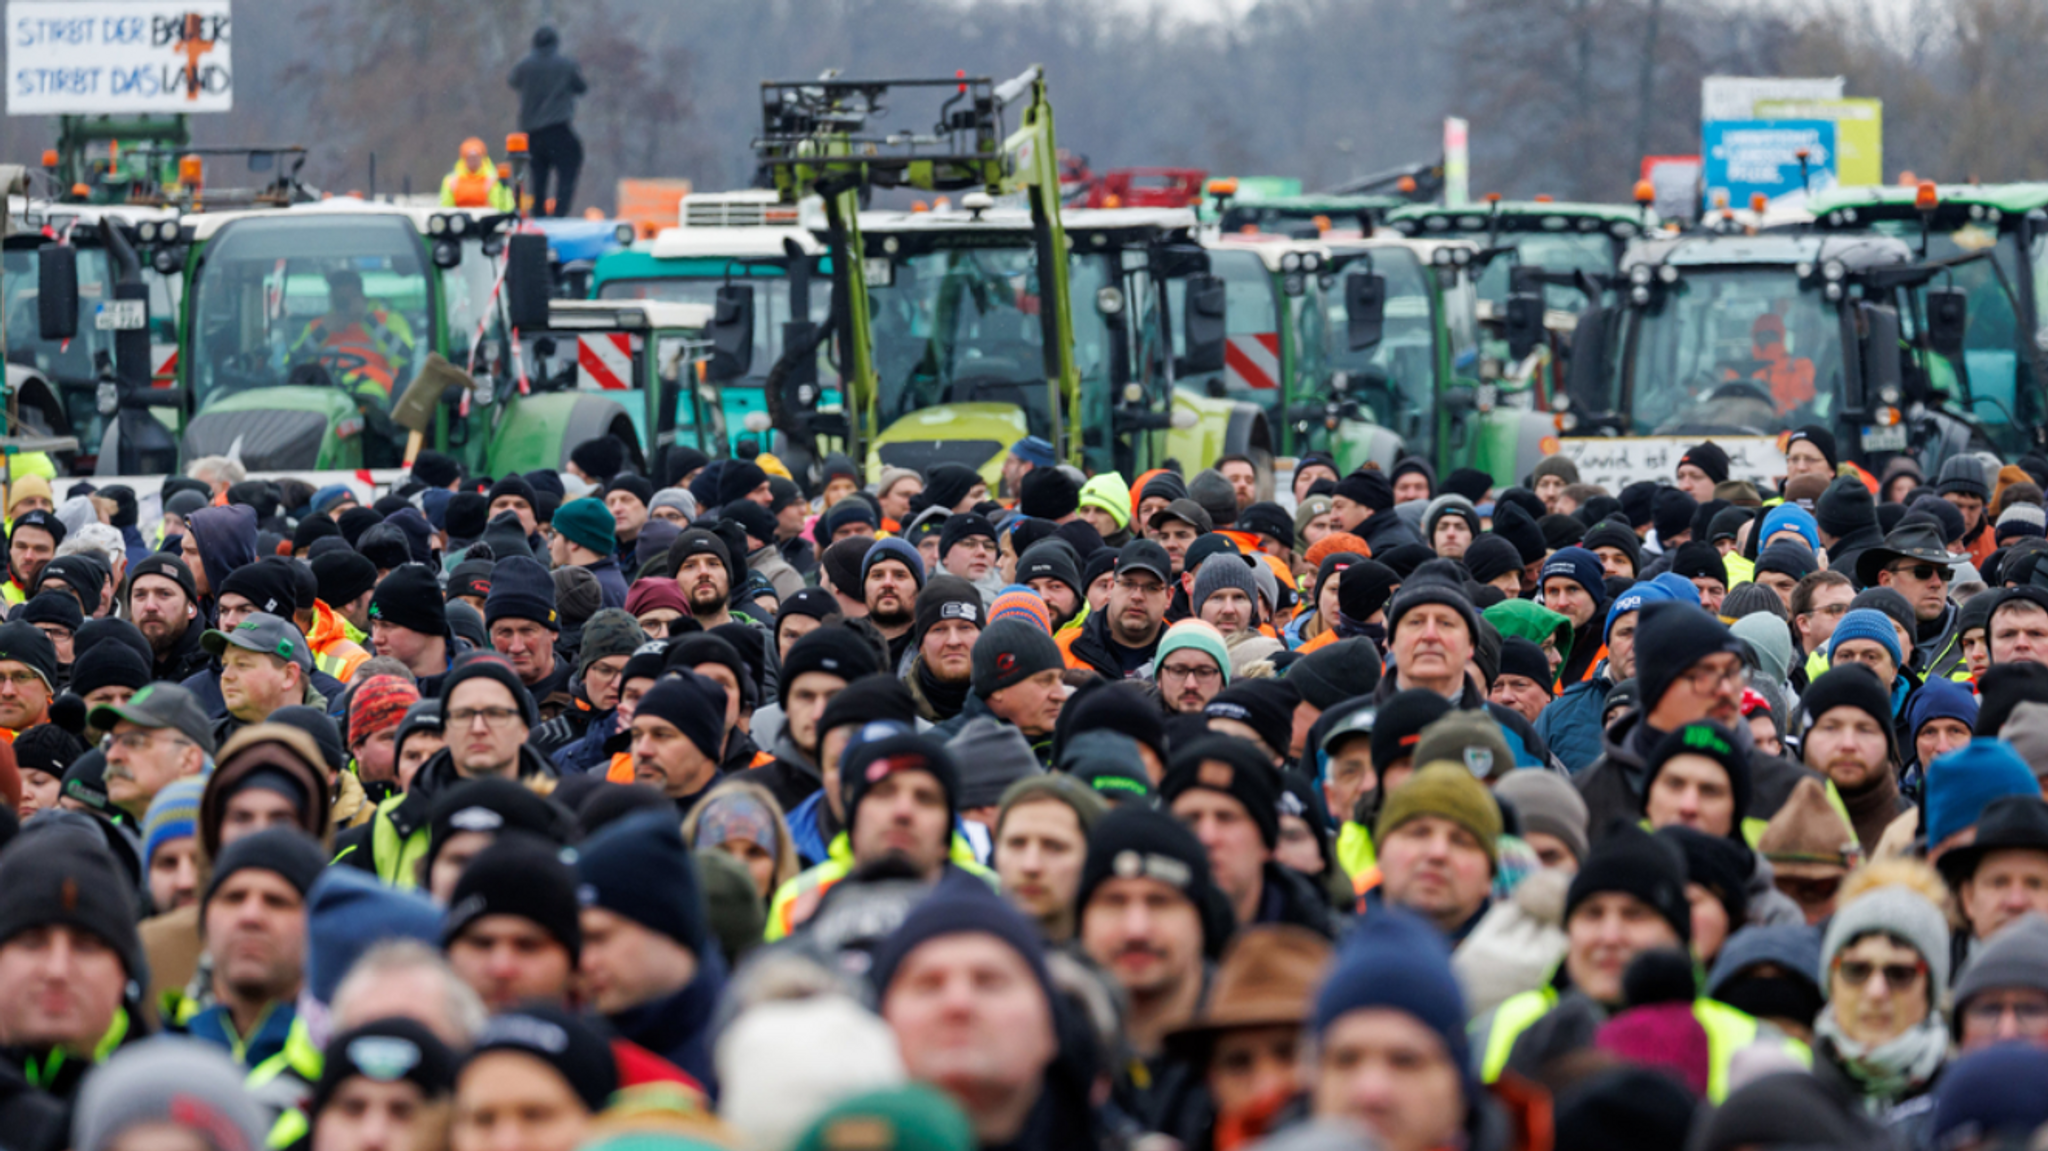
(645, 354)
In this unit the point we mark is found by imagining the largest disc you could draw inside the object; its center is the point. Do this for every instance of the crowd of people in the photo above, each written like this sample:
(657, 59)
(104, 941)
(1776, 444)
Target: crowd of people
(705, 806)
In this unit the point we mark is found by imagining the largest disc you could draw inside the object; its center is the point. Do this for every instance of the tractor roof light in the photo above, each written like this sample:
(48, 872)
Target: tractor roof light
(1222, 186)
(1646, 192)
(191, 171)
(1641, 274)
(49, 157)
(1926, 197)
(1758, 202)
(515, 144)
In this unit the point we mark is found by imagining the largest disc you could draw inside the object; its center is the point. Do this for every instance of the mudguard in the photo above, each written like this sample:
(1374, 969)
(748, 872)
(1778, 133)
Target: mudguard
(1356, 443)
(1507, 442)
(279, 429)
(538, 431)
(978, 435)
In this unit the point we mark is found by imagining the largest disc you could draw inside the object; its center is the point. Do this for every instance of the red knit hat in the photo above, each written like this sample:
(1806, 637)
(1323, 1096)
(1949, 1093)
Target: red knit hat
(1661, 1035)
(379, 703)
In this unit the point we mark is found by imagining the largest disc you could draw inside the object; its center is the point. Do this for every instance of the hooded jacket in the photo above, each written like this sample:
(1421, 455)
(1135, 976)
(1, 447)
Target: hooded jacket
(1571, 724)
(772, 565)
(548, 84)
(226, 538)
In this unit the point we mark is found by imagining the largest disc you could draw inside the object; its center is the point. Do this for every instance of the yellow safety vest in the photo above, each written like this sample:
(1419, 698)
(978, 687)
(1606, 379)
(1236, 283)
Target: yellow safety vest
(303, 1059)
(837, 866)
(1355, 852)
(45, 1072)
(1728, 1030)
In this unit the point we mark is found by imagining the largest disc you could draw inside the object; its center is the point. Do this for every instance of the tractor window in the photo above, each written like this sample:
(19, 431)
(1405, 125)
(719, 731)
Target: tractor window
(1395, 378)
(66, 364)
(1746, 352)
(314, 300)
(468, 288)
(1590, 252)
(771, 309)
(962, 326)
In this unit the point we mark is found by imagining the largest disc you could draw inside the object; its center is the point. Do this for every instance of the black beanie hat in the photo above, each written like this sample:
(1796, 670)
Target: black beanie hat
(757, 521)
(1721, 864)
(1845, 507)
(1616, 535)
(267, 585)
(1697, 559)
(1623, 1109)
(1639, 503)
(739, 478)
(494, 806)
(639, 867)
(25, 643)
(877, 696)
(1671, 513)
(694, 704)
(1820, 438)
(868, 762)
(1398, 727)
(410, 597)
(127, 513)
(841, 564)
(470, 578)
(600, 457)
(1166, 486)
(1630, 860)
(1600, 508)
(109, 665)
(1266, 705)
(1011, 651)
(522, 875)
(1708, 457)
(466, 516)
(1471, 483)
(385, 1050)
(1364, 588)
(287, 851)
(558, 1038)
(1048, 494)
(1237, 769)
(1491, 556)
(314, 528)
(1521, 657)
(1846, 685)
(1369, 488)
(170, 567)
(1711, 740)
(520, 589)
(1682, 635)
(57, 607)
(490, 665)
(61, 877)
(1560, 530)
(1336, 672)
(343, 576)
(436, 469)
(959, 527)
(1135, 841)
(1514, 525)
(1051, 559)
(512, 485)
(834, 650)
(1788, 557)
(386, 546)
(1115, 706)
(947, 597)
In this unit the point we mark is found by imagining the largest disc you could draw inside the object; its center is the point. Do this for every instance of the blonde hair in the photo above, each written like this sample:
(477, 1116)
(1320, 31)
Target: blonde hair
(1911, 874)
(786, 864)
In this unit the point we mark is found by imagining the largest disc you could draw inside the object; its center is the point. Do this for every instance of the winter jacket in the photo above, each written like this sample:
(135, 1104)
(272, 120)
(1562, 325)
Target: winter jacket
(770, 564)
(791, 778)
(678, 1027)
(396, 839)
(1613, 785)
(611, 582)
(1089, 646)
(548, 84)
(1571, 723)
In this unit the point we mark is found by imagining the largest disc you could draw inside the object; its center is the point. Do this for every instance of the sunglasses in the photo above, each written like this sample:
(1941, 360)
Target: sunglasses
(1923, 571)
(1857, 972)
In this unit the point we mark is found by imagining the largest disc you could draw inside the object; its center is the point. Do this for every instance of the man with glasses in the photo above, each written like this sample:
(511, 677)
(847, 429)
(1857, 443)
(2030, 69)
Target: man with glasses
(159, 736)
(1120, 641)
(28, 676)
(2002, 994)
(1915, 562)
(1849, 739)
(1697, 674)
(1193, 664)
(1818, 603)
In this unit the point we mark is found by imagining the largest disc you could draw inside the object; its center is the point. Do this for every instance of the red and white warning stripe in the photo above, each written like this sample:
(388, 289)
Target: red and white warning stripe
(1252, 361)
(604, 362)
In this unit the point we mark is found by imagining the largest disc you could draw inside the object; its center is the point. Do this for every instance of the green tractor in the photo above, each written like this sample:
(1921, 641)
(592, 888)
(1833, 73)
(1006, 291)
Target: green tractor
(1743, 338)
(959, 333)
(1992, 239)
(344, 335)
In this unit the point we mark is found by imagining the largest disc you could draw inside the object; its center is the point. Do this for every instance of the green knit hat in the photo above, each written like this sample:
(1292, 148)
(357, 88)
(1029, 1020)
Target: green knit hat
(908, 1118)
(1109, 493)
(1199, 635)
(1471, 738)
(589, 524)
(1445, 789)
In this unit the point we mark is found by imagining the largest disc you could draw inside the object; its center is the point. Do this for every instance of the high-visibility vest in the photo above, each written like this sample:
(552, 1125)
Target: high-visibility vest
(1728, 1030)
(396, 860)
(300, 1057)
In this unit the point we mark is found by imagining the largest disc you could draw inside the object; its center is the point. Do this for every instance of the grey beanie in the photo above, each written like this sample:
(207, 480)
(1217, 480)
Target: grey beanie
(1547, 802)
(677, 498)
(168, 1080)
(991, 755)
(2015, 957)
(1449, 504)
(1224, 570)
(1900, 912)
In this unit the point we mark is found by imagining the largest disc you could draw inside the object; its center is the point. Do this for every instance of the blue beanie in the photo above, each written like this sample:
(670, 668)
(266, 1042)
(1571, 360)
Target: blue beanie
(521, 589)
(1678, 587)
(893, 548)
(640, 868)
(327, 496)
(1393, 959)
(1941, 699)
(1976, 1102)
(348, 912)
(1792, 517)
(960, 904)
(1034, 450)
(1579, 564)
(1961, 783)
(1867, 623)
(1646, 592)
(173, 814)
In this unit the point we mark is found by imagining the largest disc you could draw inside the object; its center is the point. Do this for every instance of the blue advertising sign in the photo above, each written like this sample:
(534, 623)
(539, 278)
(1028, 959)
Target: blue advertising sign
(1744, 157)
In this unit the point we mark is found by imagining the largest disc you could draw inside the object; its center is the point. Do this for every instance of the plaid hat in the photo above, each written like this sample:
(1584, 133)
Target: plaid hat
(377, 704)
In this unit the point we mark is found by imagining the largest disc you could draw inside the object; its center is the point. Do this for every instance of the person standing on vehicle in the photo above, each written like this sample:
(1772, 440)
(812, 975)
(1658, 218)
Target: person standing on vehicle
(548, 84)
(473, 182)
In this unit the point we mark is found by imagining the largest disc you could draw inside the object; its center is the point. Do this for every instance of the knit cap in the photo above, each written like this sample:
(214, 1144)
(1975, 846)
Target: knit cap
(882, 749)
(1107, 492)
(521, 589)
(1546, 802)
(637, 866)
(1011, 652)
(1472, 739)
(1265, 705)
(992, 755)
(284, 851)
(1234, 768)
(1711, 741)
(892, 548)
(1394, 960)
(1019, 602)
(1682, 635)
(1448, 791)
(1335, 672)
(1870, 624)
(1965, 781)
(172, 816)
(377, 704)
(1896, 911)
(962, 904)
(1219, 572)
(1631, 861)
(589, 524)
(518, 875)
(562, 1040)
(385, 1051)
(1139, 842)
(168, 1080)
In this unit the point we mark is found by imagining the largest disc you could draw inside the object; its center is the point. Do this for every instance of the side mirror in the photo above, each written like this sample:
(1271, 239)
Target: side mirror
(526, 280)
(1947, 317)
(1524, 323)
(57, 291)
(1878, 329)
(1586, 383)
(732, 333)
(1179, 261)
(1202, 325)
(1365, 309)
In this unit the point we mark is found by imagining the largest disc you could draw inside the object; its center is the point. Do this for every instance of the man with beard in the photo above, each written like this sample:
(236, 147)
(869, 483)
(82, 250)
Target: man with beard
(1574, 585)
(163, 602)
(950, 617)
(1048, 568)
(704, 575)
(31, 544)
(1193, 664)
(253, 924)
(1119, 641)
(891, 575)
(817, 668)
(1850, 740)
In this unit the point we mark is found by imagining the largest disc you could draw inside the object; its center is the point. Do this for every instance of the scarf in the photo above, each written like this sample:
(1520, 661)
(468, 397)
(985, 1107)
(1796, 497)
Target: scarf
(946, 698)
(1346, 628)
(1886, 1073)
(1872, 809)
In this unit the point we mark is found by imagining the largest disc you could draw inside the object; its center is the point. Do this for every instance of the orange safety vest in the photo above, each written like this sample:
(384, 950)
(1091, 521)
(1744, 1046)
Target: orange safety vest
(1327, 637)
(472, 189)
(621, 769)
(1598, 657)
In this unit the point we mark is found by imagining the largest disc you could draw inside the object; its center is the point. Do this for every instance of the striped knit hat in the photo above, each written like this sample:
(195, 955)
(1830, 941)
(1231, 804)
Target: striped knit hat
(173, 814)
(1020, 602)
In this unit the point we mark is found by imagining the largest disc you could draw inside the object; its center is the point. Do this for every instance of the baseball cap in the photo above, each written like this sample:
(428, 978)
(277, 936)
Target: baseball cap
(266, 633)
(1145, 556)
(160, 705)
